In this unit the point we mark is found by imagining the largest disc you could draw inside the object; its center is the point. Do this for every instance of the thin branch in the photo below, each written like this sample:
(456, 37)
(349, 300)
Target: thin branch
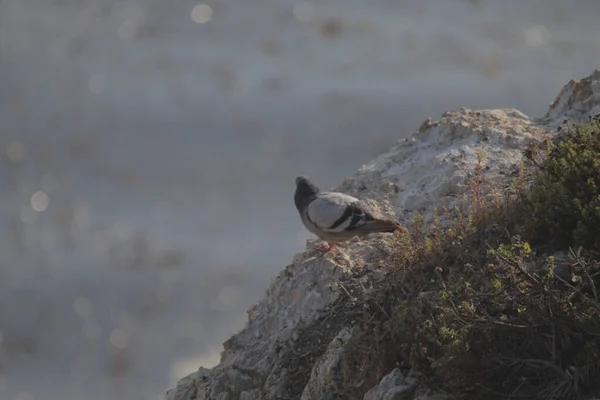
(515, 264)
(544, 363)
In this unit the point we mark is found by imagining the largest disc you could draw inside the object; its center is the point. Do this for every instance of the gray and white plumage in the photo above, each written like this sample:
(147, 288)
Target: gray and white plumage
(336, 217)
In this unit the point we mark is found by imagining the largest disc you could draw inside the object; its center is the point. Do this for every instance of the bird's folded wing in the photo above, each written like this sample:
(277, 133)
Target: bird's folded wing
(336, 212)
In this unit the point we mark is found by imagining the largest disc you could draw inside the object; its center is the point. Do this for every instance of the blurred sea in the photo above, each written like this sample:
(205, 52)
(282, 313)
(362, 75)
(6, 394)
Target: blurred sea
(149, 149)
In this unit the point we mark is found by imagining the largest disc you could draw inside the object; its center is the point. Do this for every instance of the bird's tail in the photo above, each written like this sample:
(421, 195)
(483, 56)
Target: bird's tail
(381, 225)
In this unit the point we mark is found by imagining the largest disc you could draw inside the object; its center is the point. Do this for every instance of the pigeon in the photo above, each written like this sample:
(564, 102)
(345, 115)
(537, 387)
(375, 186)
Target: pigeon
(336, 217)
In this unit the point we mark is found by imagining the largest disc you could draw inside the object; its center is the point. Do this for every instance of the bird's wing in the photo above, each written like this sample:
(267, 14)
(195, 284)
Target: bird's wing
(337, 212)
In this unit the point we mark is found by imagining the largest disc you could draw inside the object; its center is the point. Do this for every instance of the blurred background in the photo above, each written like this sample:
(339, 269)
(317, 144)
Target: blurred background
(148, 151)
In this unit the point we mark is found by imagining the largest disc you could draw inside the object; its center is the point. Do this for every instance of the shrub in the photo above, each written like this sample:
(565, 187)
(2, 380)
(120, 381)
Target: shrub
(491, 328)
(565, 197)
(488, 316)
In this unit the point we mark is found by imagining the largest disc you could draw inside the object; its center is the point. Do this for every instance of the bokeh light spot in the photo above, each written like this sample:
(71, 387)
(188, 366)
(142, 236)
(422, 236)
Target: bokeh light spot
(82, 306)
(15, 151)
(39, 201)
(303, 12)
(537, 36)
(119, 338)
(202, 13)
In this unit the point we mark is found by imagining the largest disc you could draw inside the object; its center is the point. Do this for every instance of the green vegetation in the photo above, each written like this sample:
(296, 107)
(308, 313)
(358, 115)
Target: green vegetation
(565, 198)
(503, 303)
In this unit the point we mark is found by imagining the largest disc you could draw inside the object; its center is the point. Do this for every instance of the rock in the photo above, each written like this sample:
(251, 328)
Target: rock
(431, 395)
(324, 378)
(252, 358)
(297, 336)
(393, 386)
(577, 101)
(436, 167)
(185, 390)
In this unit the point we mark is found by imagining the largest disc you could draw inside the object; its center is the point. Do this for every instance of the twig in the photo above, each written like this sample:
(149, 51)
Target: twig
(579, 261)
(515, 264)
(382, 310)
(565, 282)
(544, 363)
(347, 292)
(491, 321)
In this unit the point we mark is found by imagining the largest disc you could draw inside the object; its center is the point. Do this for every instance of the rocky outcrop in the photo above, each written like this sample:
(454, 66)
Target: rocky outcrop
(578, 100)
(303, 340)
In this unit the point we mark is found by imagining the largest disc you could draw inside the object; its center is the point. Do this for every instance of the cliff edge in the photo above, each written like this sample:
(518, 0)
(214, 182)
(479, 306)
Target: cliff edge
(311, 336)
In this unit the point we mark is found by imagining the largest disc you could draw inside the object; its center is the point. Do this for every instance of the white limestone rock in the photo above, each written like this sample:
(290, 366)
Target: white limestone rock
(577, 101)
(323, 382)
(393, 386)
(435, 165)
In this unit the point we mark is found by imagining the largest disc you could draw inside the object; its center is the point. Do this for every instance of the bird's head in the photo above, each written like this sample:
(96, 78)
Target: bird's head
(305, 191)
(305, 186)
